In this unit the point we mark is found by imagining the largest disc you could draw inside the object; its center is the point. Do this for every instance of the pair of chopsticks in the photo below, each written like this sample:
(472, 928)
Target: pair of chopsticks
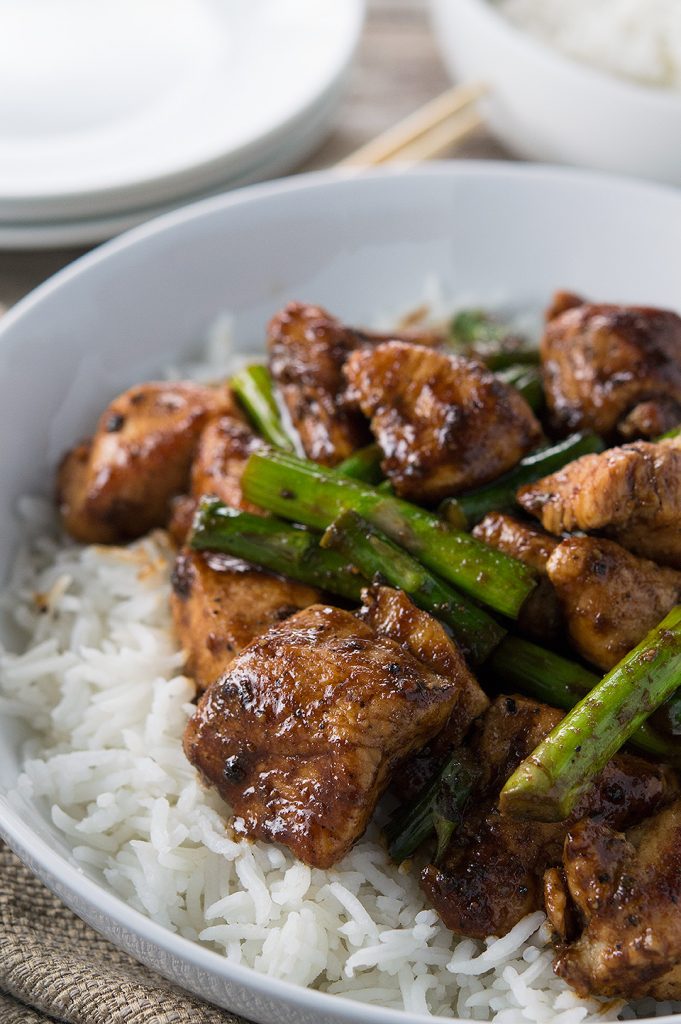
(427, 133)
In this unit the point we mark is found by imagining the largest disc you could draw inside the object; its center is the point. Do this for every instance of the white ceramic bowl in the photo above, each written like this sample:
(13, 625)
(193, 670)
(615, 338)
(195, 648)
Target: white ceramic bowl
(545, 106)
(357, 245)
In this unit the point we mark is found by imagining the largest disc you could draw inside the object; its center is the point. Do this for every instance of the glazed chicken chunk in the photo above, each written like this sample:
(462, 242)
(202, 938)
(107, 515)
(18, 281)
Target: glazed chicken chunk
(625, 893)
(631, 493)
(219, 604)
(523, 541)
(610, 599)
(541, 616)
(119, 484)
(308, 348)
(221, 456)
(492, 873)
(302, 733)
(392, 614)
(444, 423)
(612, 368)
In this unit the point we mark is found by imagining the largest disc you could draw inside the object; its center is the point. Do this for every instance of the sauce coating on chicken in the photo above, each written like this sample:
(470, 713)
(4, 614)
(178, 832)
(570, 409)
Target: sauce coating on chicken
(444, 423)
(520, 540)
(221, 455)
(540, 617)
(610, 598)
(302, 733)
(632, 493)
(608, 366)
(119, 485)
(625, 893)
(220, 605)
(308, 348)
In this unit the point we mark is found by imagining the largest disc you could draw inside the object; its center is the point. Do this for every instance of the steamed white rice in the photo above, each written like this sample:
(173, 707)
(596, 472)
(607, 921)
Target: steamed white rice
(636, 39)
(95, 671)
(101, 682)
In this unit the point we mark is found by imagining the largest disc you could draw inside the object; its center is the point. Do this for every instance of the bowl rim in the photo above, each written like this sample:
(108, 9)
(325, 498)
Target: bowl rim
(48, 862)
(628, 88)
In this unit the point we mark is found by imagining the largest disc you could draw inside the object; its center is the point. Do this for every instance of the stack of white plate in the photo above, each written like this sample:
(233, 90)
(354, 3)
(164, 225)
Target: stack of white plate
(112, 111)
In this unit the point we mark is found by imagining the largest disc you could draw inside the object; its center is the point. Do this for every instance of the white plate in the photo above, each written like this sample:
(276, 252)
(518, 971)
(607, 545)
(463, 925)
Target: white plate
(361, 245)
(90, 230)
(105, 106)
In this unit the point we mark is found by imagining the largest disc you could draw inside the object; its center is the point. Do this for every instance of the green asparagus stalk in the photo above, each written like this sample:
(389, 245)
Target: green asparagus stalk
(375, 555)
(528, 381)
(476, 333)
(274, 545)
(518, 664)
(293, 552)
(364, 464)
(305, 493)
(440, 806)
(548, 784)
(254, 388)
(499, 496)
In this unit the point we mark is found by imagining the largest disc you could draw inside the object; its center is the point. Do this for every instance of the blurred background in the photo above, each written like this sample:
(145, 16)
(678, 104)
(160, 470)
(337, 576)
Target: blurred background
(396, 68)
(113, 113)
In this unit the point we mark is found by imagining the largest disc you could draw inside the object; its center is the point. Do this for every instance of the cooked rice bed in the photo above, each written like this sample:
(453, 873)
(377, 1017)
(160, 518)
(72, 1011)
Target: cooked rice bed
(100, 680)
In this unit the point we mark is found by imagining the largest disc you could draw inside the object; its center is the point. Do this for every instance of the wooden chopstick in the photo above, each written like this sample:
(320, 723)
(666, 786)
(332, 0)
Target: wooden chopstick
(427, 133)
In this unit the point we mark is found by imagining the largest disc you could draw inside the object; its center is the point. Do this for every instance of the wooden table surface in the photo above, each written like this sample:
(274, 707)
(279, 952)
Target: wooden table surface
(397, 69)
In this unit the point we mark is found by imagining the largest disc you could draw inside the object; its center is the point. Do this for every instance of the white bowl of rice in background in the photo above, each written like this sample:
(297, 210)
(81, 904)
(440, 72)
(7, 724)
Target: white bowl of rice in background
(594, 83)
(95, 793)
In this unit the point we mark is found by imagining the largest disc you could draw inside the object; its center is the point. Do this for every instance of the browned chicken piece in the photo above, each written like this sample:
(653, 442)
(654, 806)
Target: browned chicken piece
(540, 617)
(307, 349)
(523, 541)
(220, 604)
(660, 543)
(119, 484)
(492, 872)
(610, 598)
(391, 613)
(650, 419)
(444, 423)
(302, 733)
(561, 302)
(626, 895)
(632, 493)
(221, 455)
(602, 361)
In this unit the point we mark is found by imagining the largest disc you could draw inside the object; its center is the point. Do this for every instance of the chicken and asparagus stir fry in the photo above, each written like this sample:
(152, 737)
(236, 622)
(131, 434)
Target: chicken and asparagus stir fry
(439, 568)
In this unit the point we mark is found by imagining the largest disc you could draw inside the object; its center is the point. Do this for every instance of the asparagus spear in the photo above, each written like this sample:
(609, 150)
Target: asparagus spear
(518, 664)
(440, 806)
(548, 784)
(305, 493)
(254, 388)
(274, 545)
(499, 496)
(477, 333)
(364, 464)
(374, 554)
(528, 381)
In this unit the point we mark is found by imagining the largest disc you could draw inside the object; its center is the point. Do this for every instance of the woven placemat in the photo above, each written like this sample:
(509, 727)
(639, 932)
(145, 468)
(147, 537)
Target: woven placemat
(54, 967)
